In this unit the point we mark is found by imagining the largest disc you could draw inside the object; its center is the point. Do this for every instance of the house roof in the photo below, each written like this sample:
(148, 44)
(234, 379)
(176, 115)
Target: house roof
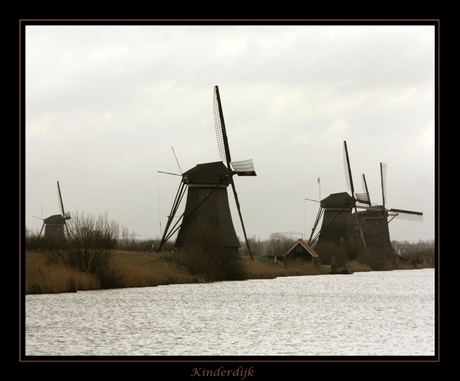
(305, 246)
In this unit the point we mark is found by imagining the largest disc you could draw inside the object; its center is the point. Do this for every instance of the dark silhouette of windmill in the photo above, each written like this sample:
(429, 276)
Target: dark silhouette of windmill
(341, 229)
(367, 229)
(207, 205)
(54, 225)
(375, 219)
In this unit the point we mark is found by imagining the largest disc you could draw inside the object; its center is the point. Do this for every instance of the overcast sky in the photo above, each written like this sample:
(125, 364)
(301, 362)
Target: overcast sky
(105, 104)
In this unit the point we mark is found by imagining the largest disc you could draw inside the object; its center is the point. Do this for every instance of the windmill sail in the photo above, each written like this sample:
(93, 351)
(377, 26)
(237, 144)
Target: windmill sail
(364, 198)
(349, 179)
(406, 214)
(383, 182)
(396, 213)
(244, 168)
(348, 176)
(221, 133)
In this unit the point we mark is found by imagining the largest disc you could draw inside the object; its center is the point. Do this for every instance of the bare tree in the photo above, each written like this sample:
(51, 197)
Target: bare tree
(90, 245)
(279, 244)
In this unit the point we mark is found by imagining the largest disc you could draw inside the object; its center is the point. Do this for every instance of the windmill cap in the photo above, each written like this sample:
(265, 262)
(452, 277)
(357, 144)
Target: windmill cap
(56, 219)
(338, 200)
(208, 173)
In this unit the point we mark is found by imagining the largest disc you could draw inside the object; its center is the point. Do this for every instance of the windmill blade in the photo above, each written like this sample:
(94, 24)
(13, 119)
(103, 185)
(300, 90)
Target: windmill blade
(366, 190)
(221, 133)
(364, 198)
(61, 204)
(383, 182)
(41, 230)
(348, 176)
(244, 168)
(177, 161)
(406, 214)
(238, 207)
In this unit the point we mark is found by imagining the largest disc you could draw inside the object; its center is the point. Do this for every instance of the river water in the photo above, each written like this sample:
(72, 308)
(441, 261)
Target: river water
(388, 313)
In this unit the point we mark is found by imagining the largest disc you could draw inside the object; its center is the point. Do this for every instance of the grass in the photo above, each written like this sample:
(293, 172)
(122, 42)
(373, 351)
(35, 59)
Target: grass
(147, 269)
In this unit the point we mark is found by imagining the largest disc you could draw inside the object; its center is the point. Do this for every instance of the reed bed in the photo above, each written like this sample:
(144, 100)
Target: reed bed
(270, 270)
(41, 277)
(137, 269)
(148, 269)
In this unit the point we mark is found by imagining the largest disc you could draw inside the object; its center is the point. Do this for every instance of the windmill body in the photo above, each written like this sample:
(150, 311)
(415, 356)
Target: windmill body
(207, 205)
(374, 222)
(376, 219)
(339, 230)
(338, 221)
(54, 225)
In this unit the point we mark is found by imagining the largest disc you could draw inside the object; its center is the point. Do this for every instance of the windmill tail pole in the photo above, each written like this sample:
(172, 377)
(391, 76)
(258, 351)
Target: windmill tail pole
(177, 200)
(318, 217)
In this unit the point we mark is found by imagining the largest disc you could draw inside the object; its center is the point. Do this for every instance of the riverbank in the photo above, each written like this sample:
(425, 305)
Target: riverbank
(148, 269)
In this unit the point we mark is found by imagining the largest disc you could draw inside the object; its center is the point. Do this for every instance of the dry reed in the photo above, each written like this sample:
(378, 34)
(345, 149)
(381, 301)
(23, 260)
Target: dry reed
(41, 277)
(143, 269)
(270, 270)
(355, 266)
(147, 269)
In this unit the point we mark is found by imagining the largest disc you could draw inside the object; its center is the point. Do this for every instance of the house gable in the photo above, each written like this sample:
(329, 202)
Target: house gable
(301, 250)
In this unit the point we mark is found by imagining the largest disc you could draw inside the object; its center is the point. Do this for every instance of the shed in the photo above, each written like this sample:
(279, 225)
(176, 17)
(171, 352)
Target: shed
(301, 250)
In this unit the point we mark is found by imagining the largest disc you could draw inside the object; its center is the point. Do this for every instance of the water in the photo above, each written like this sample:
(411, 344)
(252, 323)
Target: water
(365, 314)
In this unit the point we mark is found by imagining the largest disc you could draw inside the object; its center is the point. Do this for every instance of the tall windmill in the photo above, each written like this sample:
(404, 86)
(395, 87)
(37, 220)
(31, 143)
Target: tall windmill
(375, 219)
(207, 199)
(54, 225)
(340, 226)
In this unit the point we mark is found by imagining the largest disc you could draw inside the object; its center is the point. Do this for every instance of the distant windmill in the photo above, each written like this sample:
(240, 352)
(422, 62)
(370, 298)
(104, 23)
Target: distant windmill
(375, 219)
(54, 225)
(207, 199)
(340, 226)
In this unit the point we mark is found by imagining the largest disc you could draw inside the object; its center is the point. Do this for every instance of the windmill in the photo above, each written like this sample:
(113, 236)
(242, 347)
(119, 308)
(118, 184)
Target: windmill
(341, 228)
(375, 219)
(206, 185)
(54, 225)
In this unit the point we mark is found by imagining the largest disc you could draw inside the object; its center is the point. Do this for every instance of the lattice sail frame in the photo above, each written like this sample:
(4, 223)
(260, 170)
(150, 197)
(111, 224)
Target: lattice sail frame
(219, 128)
